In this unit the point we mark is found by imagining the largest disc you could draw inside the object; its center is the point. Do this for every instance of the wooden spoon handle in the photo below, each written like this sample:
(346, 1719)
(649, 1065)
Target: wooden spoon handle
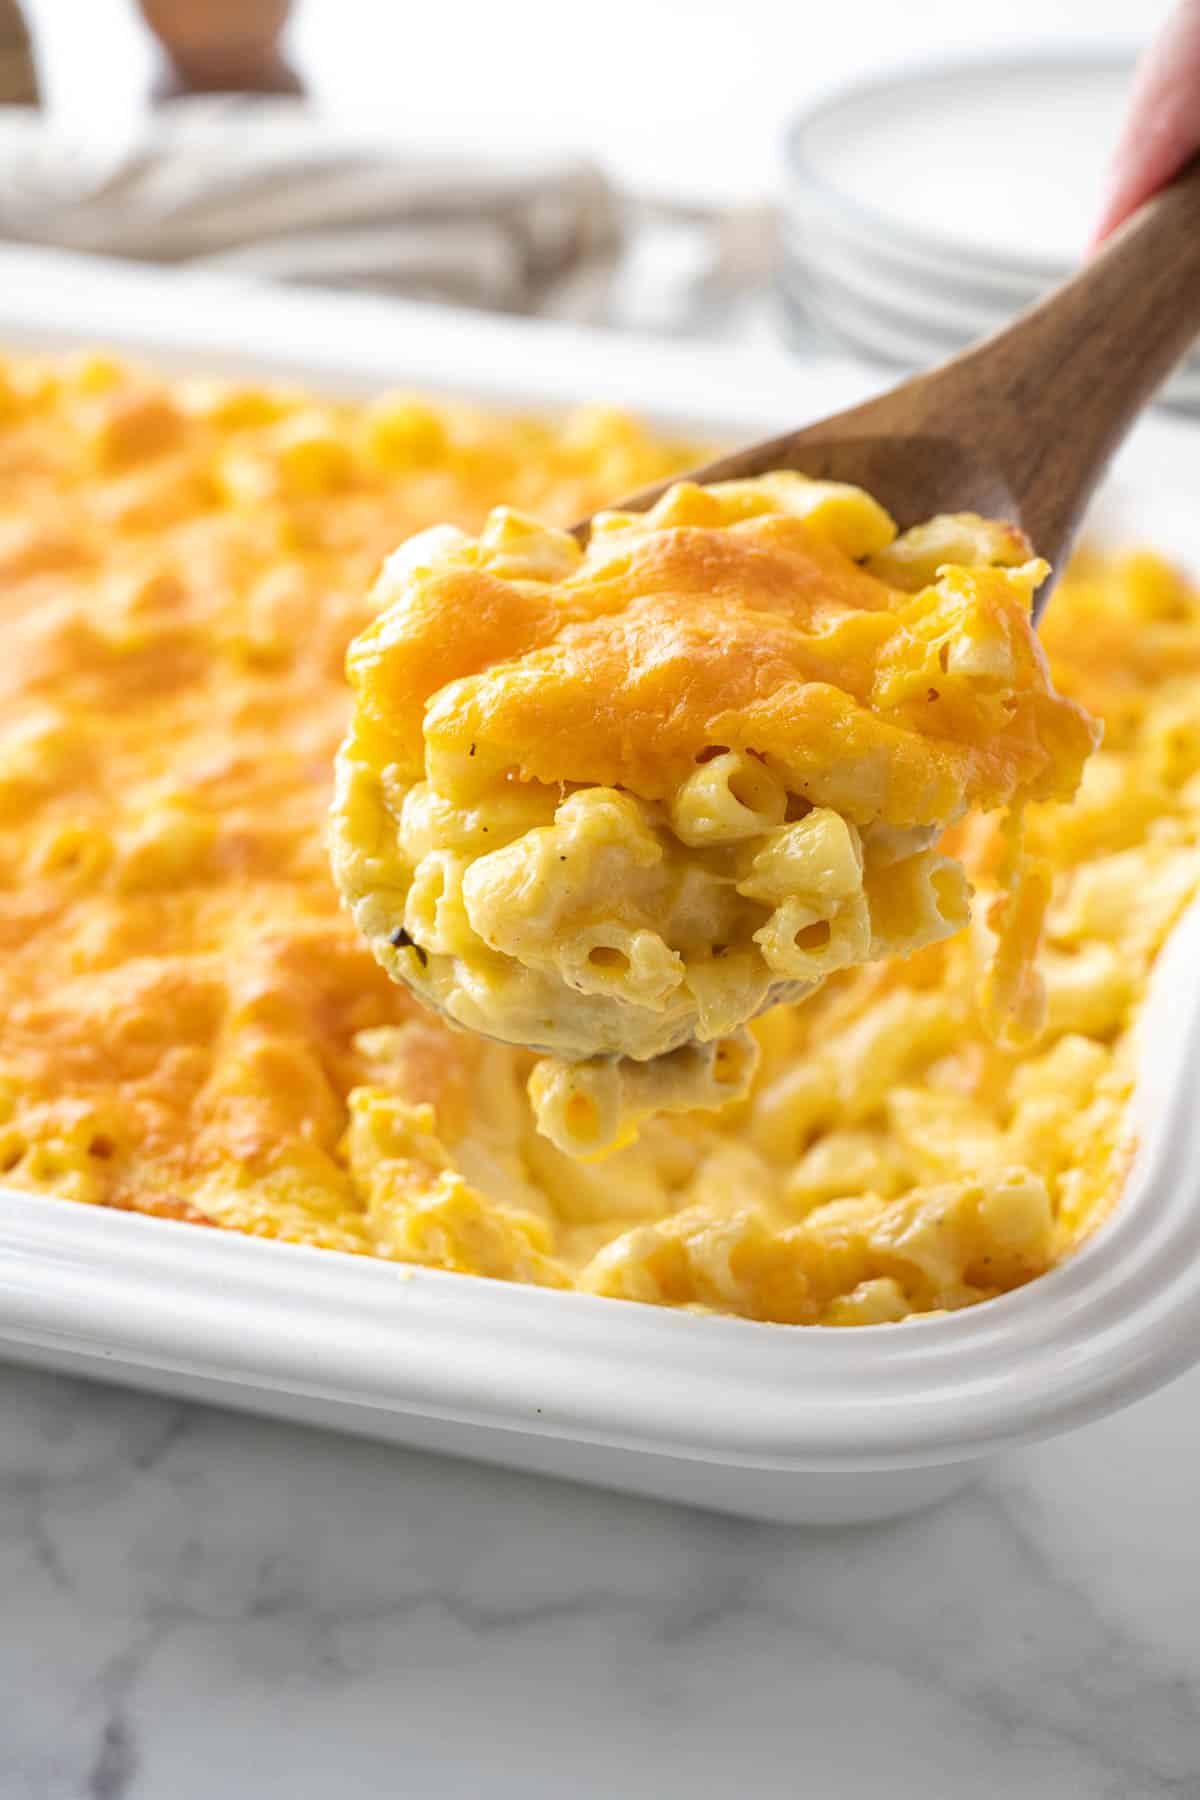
(1058, 389)
(1022, 425)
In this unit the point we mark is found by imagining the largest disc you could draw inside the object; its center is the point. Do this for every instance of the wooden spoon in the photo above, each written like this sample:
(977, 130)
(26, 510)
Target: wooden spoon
(1022, 425)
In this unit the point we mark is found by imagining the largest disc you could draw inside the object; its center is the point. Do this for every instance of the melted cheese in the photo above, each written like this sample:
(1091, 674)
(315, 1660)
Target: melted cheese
(612, 803)
(191, 1026)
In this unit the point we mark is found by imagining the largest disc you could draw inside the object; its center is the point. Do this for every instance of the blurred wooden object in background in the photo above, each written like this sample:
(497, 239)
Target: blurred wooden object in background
(221, 46)
(18, 75)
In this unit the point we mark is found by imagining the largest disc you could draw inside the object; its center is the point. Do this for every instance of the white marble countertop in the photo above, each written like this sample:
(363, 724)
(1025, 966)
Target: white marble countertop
(198, 1606)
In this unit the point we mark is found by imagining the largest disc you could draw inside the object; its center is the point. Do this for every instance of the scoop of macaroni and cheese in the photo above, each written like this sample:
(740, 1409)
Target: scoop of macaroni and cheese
(611, 803)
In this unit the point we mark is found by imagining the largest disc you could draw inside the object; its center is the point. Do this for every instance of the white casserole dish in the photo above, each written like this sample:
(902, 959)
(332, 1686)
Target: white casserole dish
(797, 1425)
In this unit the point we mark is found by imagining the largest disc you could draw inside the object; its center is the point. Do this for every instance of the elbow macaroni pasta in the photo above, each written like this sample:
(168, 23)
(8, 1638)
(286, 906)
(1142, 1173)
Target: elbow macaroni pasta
(192, 1027)
(611, 803)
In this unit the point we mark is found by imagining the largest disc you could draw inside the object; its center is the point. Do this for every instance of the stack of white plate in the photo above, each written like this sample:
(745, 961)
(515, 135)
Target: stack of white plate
(923, 211)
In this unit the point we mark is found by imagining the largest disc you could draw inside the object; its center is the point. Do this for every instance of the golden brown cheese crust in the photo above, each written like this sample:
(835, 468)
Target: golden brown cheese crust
(609, 804)
(762, 636)
(190, 1028)
(182, 999)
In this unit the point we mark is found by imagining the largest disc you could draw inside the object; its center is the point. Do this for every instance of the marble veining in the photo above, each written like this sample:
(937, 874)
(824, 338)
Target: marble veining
(199, 1606)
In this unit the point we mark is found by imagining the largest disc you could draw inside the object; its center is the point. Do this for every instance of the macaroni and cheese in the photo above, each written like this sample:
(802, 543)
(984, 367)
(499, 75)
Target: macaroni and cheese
(611, 803)
(192, 1027)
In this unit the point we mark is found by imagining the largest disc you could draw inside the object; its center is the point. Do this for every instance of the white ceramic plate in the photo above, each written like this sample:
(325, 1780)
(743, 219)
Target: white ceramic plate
(999, 160)
(797, 1425)
(874, 315)
(924, 209)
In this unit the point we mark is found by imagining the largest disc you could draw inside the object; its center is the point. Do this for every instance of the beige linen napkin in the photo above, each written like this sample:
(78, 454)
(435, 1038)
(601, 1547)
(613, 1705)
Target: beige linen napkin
(267, 187)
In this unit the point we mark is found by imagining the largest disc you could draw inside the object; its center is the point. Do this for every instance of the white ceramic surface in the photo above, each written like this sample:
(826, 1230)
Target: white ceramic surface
(788, 1425)
(870, 314)
(1002, 158)
(926, 208)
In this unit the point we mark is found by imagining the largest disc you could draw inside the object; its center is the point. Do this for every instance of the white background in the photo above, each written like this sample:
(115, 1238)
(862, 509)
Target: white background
(680, 95)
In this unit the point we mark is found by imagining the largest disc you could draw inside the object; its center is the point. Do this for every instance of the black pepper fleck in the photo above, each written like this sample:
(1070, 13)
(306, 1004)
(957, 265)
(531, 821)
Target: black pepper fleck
(401, 940)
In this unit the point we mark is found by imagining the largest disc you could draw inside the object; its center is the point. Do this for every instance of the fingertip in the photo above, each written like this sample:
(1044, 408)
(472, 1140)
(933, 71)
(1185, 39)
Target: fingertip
(1121, 197)
(1162, 129)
